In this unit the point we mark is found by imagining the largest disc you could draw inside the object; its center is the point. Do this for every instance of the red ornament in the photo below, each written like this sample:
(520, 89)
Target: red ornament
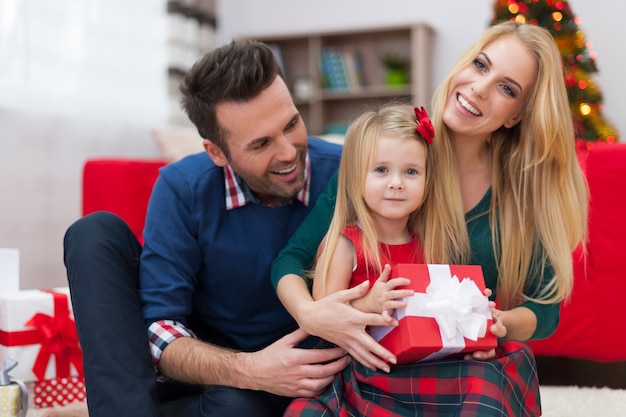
(523, 8)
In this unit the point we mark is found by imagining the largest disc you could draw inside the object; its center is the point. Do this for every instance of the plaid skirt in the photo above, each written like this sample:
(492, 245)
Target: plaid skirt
(506, 386)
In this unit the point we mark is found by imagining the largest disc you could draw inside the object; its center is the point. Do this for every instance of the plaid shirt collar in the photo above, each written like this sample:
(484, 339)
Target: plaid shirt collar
(238, 194)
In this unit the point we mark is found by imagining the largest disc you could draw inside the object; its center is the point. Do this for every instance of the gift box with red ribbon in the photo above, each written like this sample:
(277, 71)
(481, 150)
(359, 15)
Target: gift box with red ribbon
(37, 330)
(448, 316)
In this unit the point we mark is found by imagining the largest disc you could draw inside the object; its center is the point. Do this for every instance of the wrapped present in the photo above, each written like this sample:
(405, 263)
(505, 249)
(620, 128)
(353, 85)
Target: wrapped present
(58, 392)
(13, 393)
(37, 330)
(448, 315)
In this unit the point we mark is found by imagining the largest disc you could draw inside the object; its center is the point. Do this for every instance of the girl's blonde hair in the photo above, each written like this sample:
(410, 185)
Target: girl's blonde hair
(395, 121)
(538, 190)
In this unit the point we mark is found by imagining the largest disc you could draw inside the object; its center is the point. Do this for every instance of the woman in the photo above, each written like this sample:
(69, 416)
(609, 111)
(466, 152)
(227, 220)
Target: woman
(509, 196)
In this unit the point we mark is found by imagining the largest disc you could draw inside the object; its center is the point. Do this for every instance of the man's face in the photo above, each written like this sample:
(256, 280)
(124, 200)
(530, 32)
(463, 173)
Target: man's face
(267, 143)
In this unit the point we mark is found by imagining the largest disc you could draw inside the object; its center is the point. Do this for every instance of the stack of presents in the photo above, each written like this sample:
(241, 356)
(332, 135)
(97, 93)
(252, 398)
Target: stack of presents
(40, 358)
(447, 316)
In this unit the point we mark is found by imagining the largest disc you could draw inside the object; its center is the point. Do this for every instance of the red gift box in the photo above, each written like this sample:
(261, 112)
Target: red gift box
(448, 315)
(58, 392)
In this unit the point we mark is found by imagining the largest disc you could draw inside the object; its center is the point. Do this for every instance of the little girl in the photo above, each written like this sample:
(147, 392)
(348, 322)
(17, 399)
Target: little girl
(383, 180)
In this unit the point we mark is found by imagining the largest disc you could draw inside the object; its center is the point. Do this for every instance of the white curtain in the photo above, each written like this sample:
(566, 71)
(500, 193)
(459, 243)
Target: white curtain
(89, 58)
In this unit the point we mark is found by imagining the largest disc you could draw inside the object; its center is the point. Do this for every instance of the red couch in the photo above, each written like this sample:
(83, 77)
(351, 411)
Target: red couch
(592, 323)
(121, 186)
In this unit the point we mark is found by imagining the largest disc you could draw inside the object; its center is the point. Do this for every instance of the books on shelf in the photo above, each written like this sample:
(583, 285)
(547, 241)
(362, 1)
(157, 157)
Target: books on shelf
(341, 68)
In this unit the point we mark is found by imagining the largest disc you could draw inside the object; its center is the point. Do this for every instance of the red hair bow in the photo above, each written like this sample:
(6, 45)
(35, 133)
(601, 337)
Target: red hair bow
(424, 125)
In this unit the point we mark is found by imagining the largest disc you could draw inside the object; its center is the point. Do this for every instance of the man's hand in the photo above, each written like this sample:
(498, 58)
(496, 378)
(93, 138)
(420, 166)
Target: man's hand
(286, 370)
(280, 368)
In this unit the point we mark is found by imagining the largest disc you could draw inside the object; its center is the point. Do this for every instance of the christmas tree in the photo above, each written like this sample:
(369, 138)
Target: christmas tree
(578, 62)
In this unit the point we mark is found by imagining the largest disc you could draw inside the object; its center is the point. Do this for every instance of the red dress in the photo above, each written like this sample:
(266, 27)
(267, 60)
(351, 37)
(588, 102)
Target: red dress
(406, 253)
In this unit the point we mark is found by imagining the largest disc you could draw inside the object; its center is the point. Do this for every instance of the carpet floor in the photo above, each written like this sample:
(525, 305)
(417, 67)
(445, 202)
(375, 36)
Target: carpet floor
(556, 402)
(582, 402)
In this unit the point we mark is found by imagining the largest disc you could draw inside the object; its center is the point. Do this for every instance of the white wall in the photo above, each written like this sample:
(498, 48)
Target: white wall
(78, 79)
(41, 163)
(457, 24)
(97, 59)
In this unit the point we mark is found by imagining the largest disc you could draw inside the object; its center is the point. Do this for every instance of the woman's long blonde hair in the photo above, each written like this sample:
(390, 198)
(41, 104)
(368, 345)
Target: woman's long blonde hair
(538, 190)
(360, 145)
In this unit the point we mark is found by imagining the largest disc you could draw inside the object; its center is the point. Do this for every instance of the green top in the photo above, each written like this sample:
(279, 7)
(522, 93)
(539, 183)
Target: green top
(301, 250)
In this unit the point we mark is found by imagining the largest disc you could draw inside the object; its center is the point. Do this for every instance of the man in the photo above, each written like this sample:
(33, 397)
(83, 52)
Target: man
(217, 332)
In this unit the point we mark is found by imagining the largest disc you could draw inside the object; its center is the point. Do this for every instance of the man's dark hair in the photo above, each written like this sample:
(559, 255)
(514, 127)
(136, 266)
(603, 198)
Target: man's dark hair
(238, 72)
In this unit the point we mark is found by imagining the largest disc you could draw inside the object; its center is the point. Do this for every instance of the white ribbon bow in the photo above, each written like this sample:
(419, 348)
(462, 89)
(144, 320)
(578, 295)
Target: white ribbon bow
(459, 307)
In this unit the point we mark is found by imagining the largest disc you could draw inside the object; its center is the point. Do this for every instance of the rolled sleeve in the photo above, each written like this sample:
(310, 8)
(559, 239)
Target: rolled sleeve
(163, 332)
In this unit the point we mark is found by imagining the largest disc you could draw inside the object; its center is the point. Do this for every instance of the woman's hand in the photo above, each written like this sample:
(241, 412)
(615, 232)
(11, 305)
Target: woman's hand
(284, 369)
(333, 318)
(497, 328)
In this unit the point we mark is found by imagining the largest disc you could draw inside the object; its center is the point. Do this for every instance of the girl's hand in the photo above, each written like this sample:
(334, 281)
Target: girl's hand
(384, 296)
